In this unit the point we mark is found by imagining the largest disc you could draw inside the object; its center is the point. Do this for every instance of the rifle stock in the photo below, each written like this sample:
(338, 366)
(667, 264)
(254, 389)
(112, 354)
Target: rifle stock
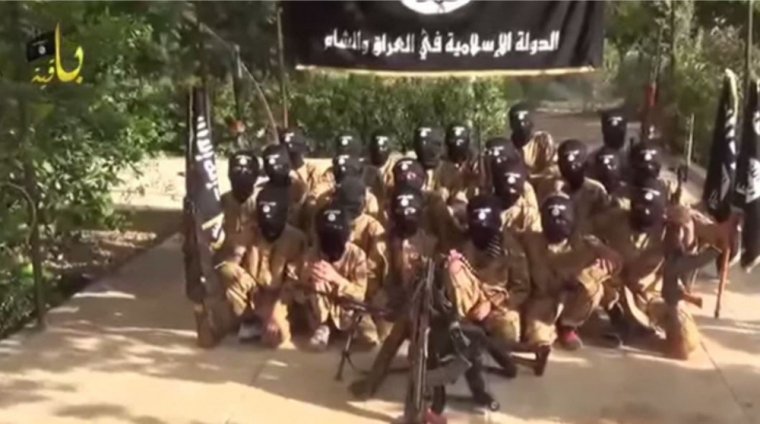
(678, 266)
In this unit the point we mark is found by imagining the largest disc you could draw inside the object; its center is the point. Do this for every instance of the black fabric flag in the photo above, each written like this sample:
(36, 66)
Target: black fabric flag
(748, 179)
(41, 46)
(721, 170)
(203, 213)
(445, 37)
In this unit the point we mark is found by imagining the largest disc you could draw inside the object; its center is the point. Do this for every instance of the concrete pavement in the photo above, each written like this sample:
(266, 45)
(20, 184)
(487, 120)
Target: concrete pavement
(123, 352)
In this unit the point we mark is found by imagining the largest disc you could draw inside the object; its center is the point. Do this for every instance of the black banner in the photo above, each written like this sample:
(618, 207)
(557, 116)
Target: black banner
(445, 36)
(203, 213)
(205, 192)
(721, 170)
(748, 179)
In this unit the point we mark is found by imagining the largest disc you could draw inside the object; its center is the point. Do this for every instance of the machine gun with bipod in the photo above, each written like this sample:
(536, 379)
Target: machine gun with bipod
(434, 331)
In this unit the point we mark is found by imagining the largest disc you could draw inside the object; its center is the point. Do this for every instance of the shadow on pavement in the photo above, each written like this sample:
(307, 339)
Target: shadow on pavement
(124, 350)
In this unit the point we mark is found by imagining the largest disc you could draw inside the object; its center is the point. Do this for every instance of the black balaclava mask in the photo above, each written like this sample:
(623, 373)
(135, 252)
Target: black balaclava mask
(500, 149)
(379, 149)
(614, 126)
(572, 156)
(243, 172)
(277, 164)
(333, 230)
(428, 143)
(645, 162)
(607, 168)
(272, 205)
(297, 145)
(557, 218)
(350, 195)
(406, 211)
(344, 166)
(484, 220)
(648, 204)
(457, 143)
(521, 124)
(408, 172)
(348, 144)
(509, 179)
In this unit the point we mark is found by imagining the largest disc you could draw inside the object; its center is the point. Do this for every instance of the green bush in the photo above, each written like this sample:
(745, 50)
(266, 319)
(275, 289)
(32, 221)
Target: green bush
(324, 105)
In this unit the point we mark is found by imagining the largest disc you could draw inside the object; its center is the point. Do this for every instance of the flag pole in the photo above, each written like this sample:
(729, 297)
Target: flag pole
(281, 63)
(723, 279)
(748, 46)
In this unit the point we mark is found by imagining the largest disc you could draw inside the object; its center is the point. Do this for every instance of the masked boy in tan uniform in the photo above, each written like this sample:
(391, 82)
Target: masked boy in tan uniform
(263, 262)
(243, 173)
(589, 197)
(399, 256)
(568, 272)
(638, 235)
(488, 280)
(377, 173)
(334, 267)
(537, 148)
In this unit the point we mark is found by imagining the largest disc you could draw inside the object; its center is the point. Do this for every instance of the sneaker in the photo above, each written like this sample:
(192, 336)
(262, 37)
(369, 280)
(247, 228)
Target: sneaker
(569, 339)
(250, 331)
(321, 337)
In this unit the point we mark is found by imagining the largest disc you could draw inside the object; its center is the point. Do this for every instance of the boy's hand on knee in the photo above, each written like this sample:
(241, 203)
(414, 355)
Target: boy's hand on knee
(480, 311)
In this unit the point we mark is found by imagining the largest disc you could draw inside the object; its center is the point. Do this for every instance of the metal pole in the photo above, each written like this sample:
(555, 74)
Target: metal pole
(748, 44)
(281, 57)
(30, 180)
(237, 76)
(674, 120)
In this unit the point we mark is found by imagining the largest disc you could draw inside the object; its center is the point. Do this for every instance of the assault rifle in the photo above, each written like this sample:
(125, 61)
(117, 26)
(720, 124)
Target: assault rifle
(422, 302)
(360, 311)
(195, 287)
(447, 335)
(678, 266)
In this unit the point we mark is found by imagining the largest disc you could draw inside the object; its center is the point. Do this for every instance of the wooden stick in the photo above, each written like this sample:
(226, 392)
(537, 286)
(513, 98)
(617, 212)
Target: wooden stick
(723, 278)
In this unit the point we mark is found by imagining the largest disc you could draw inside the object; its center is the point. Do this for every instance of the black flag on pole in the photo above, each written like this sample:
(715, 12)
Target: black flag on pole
(721, 170)
(202, 207)
(748, 179)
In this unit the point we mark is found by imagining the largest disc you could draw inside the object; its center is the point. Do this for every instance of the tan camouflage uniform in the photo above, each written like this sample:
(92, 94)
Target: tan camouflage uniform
(321, 309)
(504, 281)
(539, 153)
(639, 286)
(257, 274)
(396, 264)
(567, 285)
(589, 200)
(233, 214)
(379, 180)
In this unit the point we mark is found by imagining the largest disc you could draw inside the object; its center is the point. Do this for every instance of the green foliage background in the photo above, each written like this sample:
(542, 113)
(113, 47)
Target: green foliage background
(140, 57)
